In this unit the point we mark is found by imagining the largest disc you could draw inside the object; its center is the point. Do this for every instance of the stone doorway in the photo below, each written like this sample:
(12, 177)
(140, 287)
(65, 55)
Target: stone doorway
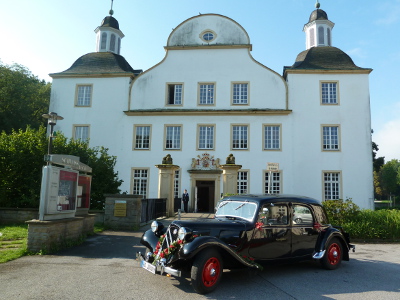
(205, 195)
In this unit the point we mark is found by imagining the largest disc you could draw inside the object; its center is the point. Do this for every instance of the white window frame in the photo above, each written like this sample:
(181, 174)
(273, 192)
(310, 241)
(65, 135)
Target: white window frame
(206, 93)
(240, 93)
(140, 181)
(330, 138)
(176, 137)
(243, 181)
(177, 94)
(139, 141)
(206, 136)
(276, 182)
(83, 95)
(331, 185)
(329, 91)
(81, 132)
(243, 142)
(177, 183)
(272, 139)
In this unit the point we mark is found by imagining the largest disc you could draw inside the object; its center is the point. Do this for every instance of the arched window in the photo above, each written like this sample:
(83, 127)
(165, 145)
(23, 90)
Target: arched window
(103, 41)
(119, 45)
(321, 35)
(112, 43)
(328, 31)
(312, 37)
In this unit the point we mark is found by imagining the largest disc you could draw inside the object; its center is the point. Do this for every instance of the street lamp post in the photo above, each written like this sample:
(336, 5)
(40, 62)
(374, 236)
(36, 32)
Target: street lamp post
(52, 121)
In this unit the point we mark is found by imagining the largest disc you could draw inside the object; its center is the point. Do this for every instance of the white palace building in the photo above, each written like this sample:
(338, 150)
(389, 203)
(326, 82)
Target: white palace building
(209, 98)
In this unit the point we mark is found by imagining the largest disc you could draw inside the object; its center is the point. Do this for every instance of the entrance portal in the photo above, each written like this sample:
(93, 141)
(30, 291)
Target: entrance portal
(205, 195)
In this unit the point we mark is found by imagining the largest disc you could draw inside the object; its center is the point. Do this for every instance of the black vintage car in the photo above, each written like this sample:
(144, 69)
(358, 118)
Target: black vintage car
(247, 231)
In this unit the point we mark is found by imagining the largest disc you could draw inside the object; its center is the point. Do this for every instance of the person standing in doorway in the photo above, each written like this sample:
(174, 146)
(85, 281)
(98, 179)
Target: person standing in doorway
(185, 200)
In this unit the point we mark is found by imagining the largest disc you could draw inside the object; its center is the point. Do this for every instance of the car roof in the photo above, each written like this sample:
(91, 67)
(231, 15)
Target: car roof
(273, 198)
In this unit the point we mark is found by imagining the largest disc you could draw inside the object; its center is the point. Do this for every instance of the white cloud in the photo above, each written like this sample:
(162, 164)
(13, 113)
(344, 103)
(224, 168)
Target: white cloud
(388, 140)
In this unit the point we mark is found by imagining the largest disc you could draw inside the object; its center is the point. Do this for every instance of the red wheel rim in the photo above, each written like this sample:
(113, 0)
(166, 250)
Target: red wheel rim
(211, 272)
(334, 254)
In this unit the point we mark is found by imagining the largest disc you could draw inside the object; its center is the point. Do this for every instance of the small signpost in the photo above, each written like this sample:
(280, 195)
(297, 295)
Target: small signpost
(120, 208)
(271, 167)
(63, 187)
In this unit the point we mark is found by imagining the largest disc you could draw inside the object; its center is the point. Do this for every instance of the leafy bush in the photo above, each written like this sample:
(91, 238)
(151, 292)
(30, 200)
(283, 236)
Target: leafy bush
(378, 225)
(339, 211)
(21, 162)
(365, 225)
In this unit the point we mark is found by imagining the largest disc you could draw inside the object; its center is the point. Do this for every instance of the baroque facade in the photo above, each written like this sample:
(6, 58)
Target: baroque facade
(208, 102)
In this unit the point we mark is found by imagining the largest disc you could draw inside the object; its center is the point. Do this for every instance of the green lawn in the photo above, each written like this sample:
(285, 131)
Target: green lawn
(13, 240)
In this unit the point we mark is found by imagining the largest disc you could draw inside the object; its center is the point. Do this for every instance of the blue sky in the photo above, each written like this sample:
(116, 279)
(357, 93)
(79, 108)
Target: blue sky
(47, 36)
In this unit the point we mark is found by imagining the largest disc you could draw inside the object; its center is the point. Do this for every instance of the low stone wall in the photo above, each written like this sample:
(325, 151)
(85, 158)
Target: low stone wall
(131, 220)
(50, 236)
(17, 215)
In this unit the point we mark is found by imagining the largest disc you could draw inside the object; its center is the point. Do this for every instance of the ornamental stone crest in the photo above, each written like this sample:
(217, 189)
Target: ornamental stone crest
(205, 161)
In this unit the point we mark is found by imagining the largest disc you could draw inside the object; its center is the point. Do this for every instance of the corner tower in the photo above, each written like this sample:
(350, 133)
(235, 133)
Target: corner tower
(318, 29)
(108, 35)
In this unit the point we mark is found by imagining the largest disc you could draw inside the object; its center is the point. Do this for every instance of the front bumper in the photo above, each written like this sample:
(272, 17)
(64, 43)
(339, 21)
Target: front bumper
(157, 268)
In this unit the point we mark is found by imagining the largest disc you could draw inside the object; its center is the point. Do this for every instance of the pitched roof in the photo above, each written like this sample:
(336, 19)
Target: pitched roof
(324, 58)
(99, 63)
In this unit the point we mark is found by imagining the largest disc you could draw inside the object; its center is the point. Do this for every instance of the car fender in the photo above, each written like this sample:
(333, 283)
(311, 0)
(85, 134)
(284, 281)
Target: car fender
(191, 249)
(150, 240)
(328, 234)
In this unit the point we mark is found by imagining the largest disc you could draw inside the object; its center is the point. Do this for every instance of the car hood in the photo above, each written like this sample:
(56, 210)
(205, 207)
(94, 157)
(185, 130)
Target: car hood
(214, 227)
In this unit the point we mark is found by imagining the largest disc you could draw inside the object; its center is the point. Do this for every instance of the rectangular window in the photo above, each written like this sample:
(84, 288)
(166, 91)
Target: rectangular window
(242, 182)
(175, 94)
(81, 132)
(331, 185)
(272, 137)
(240, 93)
(83, 95)
(206, 137)
(329, 93)
(206, 93)
(330, 136)
(176, 184)
(173, 137)
(140, 182)
(142, 137)
(239, 137)
(274, 182)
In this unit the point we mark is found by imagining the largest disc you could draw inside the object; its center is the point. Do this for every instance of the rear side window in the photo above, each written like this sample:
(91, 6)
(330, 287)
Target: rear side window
(302, 215)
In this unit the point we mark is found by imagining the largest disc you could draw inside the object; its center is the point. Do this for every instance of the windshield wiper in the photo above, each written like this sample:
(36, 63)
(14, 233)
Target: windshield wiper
(243, 204)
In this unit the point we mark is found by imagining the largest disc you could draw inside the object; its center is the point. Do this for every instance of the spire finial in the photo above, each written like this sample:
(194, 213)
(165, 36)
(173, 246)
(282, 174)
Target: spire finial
(317, 5)
(111, 10)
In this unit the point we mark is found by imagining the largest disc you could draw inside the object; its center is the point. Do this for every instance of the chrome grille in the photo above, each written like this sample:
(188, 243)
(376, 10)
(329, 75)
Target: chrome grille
(170, 236)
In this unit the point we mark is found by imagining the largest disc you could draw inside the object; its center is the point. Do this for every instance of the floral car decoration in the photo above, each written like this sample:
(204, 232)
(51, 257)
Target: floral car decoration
(248, 231)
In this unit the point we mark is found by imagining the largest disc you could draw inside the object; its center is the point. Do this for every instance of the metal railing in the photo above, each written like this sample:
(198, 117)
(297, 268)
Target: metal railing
(153, 209)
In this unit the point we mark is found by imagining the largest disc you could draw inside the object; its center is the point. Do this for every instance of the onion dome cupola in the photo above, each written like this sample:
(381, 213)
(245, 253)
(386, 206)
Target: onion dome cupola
(108, 35)
(318, 29)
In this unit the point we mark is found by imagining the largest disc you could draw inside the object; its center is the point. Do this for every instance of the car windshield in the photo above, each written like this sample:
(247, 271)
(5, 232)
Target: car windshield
(236, 209)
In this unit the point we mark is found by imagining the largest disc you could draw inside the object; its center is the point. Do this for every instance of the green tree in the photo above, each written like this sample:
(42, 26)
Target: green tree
(389, 177)
(377, 161)
(21, 162)
(23, 98)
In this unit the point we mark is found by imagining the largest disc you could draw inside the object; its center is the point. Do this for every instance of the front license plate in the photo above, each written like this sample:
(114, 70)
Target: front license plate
(149, 267)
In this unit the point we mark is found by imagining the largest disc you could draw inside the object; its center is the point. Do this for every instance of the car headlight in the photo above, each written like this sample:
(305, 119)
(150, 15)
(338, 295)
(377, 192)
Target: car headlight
(183, 233)
(156, 226)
